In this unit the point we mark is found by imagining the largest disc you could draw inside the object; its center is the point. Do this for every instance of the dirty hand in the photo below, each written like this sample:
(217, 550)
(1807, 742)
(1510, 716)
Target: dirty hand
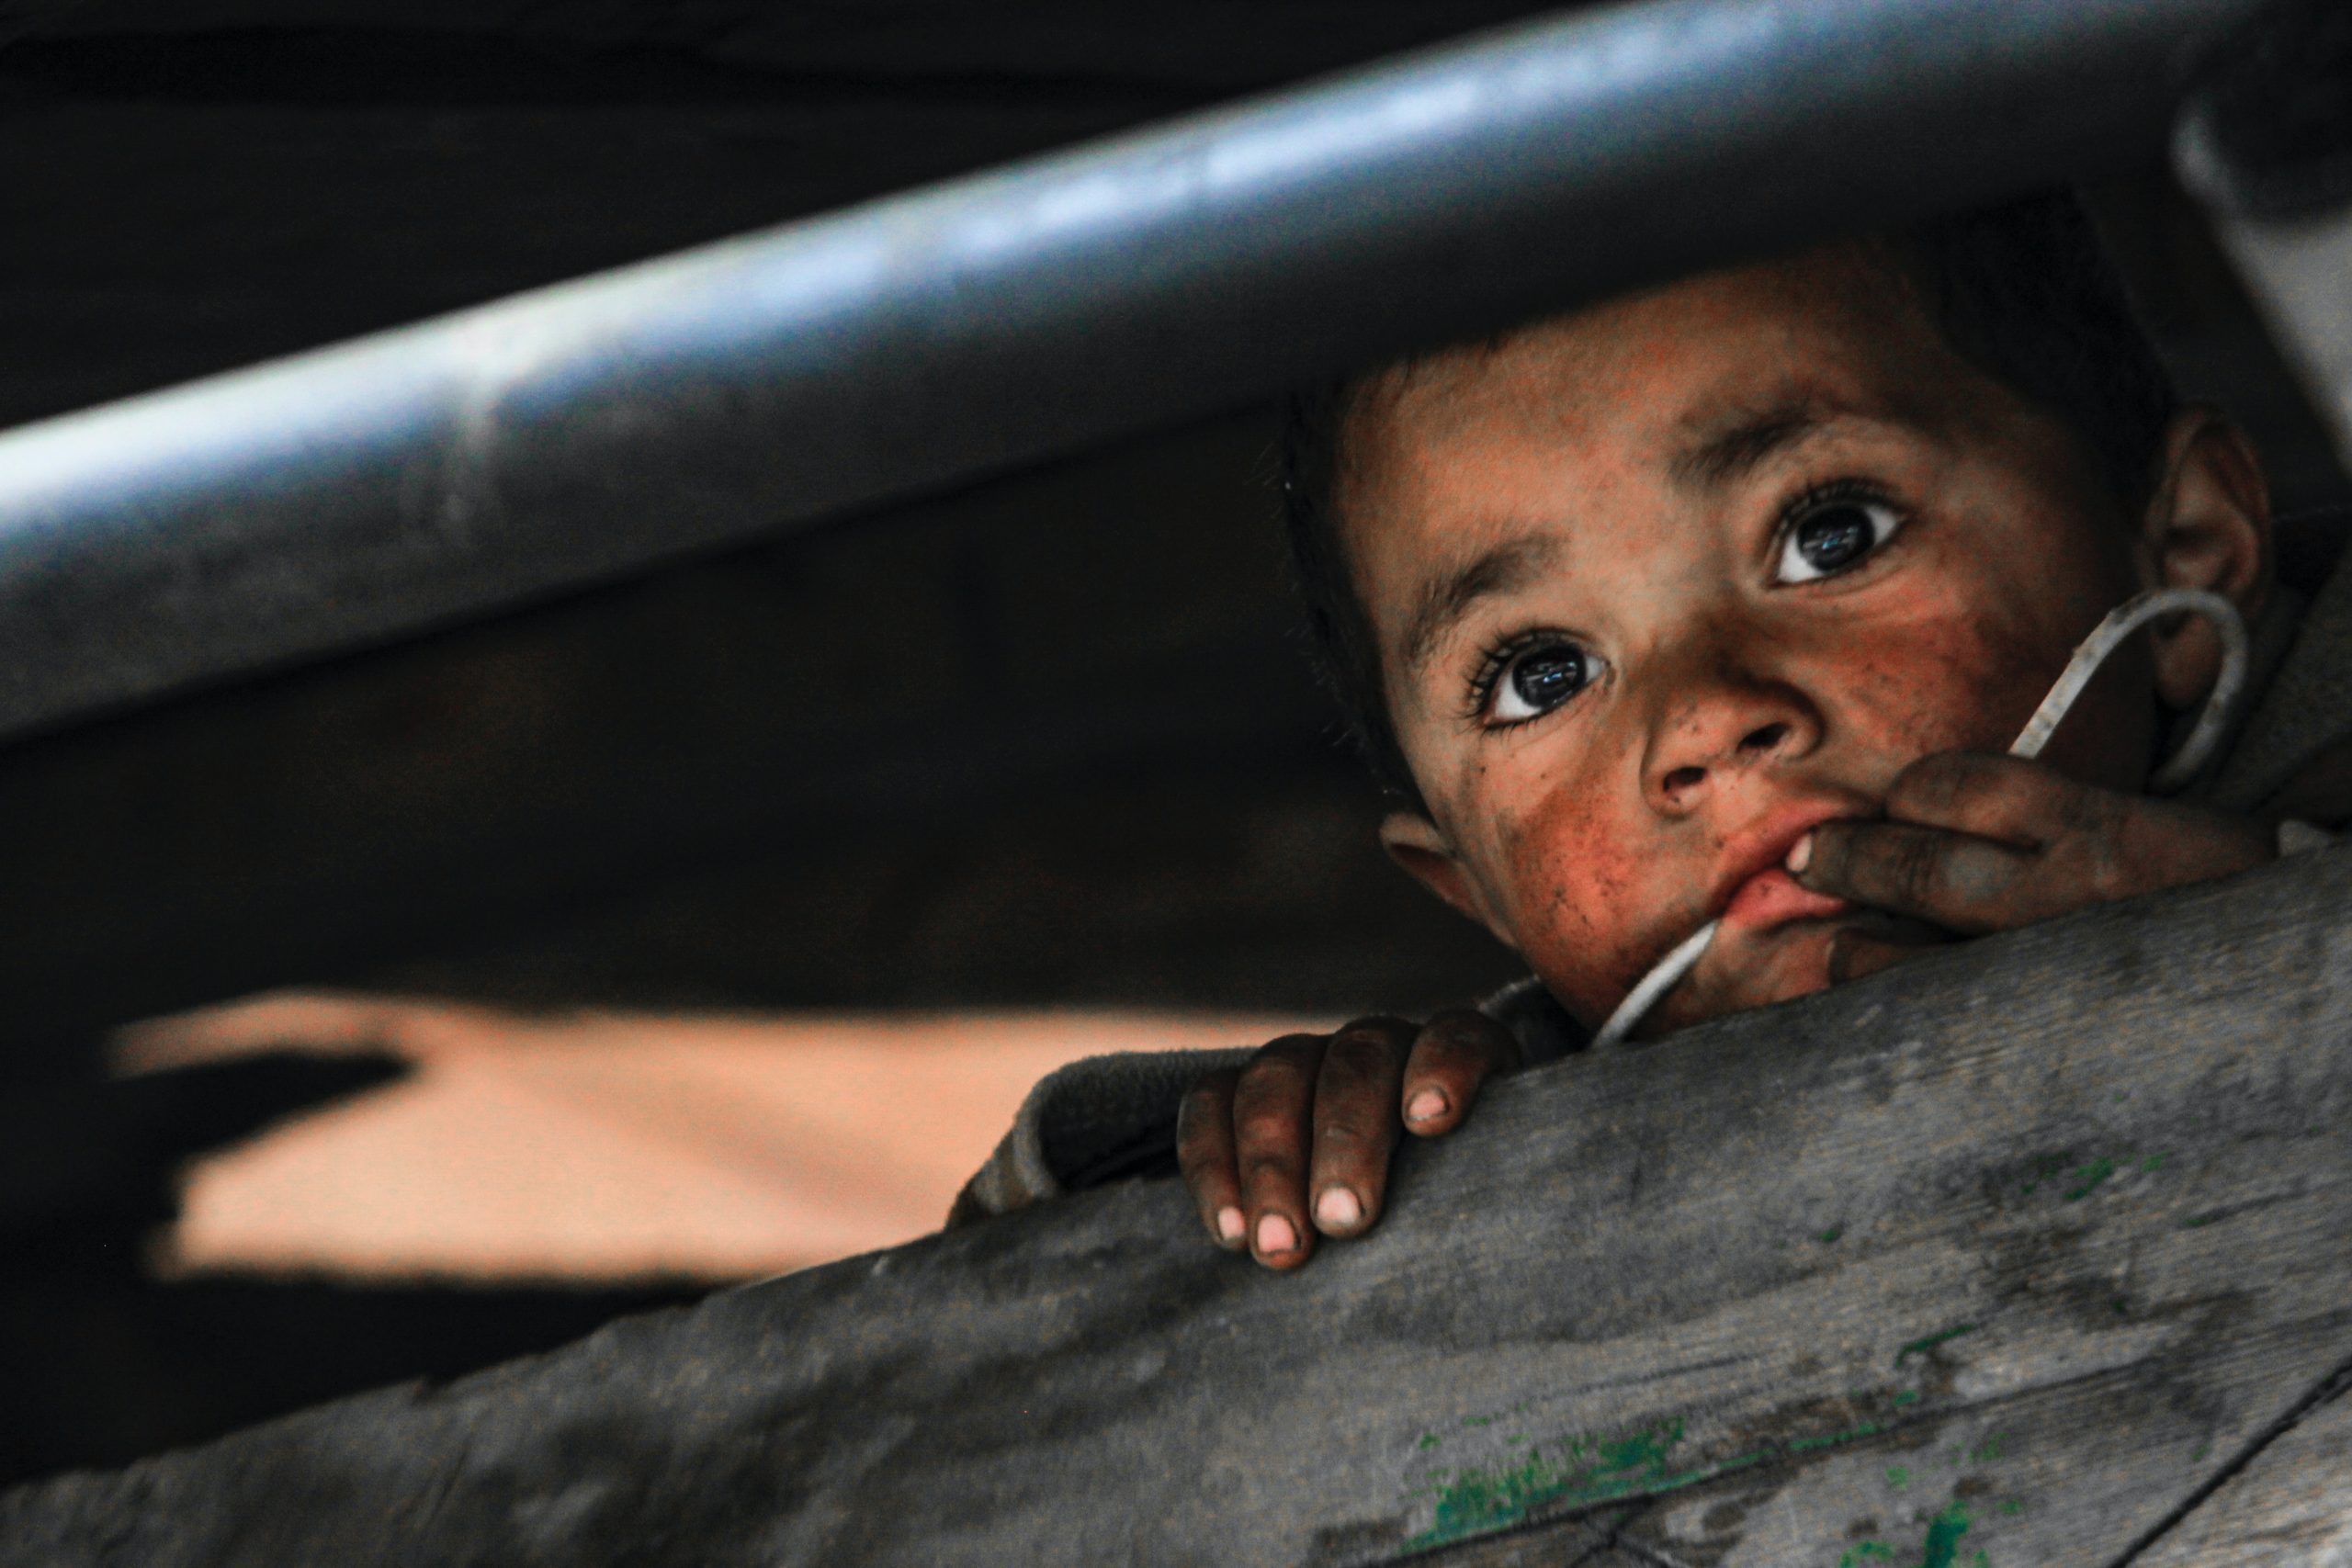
(1306, 1127)
(1974, 843)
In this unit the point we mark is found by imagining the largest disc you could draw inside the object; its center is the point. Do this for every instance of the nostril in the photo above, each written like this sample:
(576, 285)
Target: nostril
(1681, 779)
(1766, 738)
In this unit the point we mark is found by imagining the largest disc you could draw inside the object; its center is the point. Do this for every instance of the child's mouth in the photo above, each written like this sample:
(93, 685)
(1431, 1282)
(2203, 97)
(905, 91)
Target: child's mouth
(1771, 897)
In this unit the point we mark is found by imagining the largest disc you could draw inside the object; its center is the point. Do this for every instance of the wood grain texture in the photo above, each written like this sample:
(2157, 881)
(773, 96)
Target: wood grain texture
(2291, 1503)
(2003, 1258)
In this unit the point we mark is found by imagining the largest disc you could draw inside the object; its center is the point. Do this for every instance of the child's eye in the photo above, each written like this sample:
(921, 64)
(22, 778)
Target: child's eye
(1828, 535)
(1537, 679)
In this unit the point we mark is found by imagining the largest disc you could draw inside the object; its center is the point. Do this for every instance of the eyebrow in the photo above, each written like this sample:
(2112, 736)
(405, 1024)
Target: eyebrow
(1445, 599)
(1731, 449)
(1725, 450)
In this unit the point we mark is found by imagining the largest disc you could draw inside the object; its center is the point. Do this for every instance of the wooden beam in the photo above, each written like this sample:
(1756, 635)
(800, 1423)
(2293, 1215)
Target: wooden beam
(2034, 1248)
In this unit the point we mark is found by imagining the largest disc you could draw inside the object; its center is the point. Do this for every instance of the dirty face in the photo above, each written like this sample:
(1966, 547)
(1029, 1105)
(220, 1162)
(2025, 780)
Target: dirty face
(1660, 586)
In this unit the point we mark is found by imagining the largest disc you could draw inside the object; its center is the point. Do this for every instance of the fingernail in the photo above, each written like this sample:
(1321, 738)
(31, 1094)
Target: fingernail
(1229, 1224)
(1275, 1235)
(1800, 855)
(1426, 1106)
(1337, 1209)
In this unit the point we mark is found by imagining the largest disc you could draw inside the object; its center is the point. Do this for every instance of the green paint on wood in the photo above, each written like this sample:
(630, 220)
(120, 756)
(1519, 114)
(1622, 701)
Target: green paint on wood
(1832, 1233)
(1590, 1469)
(1808, 1445)
(2047, 1167)
(1921, 1346)
(1941, 1548)
(1585, 1469)
(1989, 1449)
(2089, 1178)
(1898, 1476)
(1905, 1396)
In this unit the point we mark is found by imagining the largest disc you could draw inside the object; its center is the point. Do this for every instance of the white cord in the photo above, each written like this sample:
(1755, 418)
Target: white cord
(2238, 657)
(2221, 703)
(1652, 987)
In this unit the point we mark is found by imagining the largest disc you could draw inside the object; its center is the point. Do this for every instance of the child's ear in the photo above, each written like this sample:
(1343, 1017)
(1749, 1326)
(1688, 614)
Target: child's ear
(1428, 856)
(2207, 525)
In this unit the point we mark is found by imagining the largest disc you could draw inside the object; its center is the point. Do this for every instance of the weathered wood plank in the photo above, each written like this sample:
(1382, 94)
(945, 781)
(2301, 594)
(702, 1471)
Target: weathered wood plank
(2291, 1503)
(1589, 1540)
(2014, 1250)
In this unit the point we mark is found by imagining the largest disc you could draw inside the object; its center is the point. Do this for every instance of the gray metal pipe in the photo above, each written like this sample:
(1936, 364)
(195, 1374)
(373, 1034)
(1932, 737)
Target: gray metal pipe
(583, 432)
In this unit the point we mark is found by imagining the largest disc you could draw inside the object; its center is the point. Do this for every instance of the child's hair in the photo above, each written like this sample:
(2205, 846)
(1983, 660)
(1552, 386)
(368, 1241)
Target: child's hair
(2024, 291)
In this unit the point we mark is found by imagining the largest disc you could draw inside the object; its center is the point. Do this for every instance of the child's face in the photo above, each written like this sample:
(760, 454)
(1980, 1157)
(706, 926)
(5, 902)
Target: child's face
(1660, 586)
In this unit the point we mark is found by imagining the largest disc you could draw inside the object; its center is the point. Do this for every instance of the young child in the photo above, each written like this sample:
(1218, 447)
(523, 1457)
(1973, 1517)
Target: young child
(1725, 600)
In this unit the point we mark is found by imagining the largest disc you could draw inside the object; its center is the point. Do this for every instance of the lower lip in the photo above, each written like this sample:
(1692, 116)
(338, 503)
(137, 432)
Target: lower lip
(1772, 898)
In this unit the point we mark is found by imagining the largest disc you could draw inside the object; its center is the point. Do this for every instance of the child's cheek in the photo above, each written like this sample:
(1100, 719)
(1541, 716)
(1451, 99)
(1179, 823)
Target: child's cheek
(1951, 687)
(1954, 676)
(1577, 894)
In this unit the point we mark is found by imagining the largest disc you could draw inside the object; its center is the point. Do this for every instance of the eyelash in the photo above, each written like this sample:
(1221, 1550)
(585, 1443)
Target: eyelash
(1495, 661)
(1819, 497)
(1815, 496)
(1492, 666)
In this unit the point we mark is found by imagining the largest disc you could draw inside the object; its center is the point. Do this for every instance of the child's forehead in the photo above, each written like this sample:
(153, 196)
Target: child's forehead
(1656, 366)
(1612, 428)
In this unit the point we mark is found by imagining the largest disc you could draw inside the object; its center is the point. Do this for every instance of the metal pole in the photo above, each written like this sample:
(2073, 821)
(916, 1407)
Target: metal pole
(583, 431)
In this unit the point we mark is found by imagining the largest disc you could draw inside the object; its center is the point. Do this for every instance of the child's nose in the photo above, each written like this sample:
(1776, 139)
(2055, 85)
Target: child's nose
(1736, 735)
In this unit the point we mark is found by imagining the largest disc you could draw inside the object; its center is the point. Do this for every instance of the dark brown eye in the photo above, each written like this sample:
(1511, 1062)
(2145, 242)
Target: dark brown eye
(1540, 679)
(1833, 536)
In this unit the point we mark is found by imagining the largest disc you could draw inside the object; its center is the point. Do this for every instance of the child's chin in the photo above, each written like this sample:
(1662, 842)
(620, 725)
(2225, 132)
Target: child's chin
(1749, 967)
(1787, 961)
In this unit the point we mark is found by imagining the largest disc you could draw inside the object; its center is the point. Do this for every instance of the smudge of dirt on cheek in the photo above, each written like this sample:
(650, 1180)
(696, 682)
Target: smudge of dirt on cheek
(1575, 888)
(1942, 685)
(2006, 583)
(1967, 676)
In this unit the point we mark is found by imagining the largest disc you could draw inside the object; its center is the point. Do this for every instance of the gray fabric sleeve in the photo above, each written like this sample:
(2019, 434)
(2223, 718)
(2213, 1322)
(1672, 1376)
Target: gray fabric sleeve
(1544, 1031)
(1104, 1117)
(2302, 710)
(2298, 838)
(1081, 1116)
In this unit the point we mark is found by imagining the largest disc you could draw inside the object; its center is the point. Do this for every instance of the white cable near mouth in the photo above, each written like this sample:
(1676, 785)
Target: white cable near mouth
(1652, 987)
(2105, 638)
(2237, 657)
